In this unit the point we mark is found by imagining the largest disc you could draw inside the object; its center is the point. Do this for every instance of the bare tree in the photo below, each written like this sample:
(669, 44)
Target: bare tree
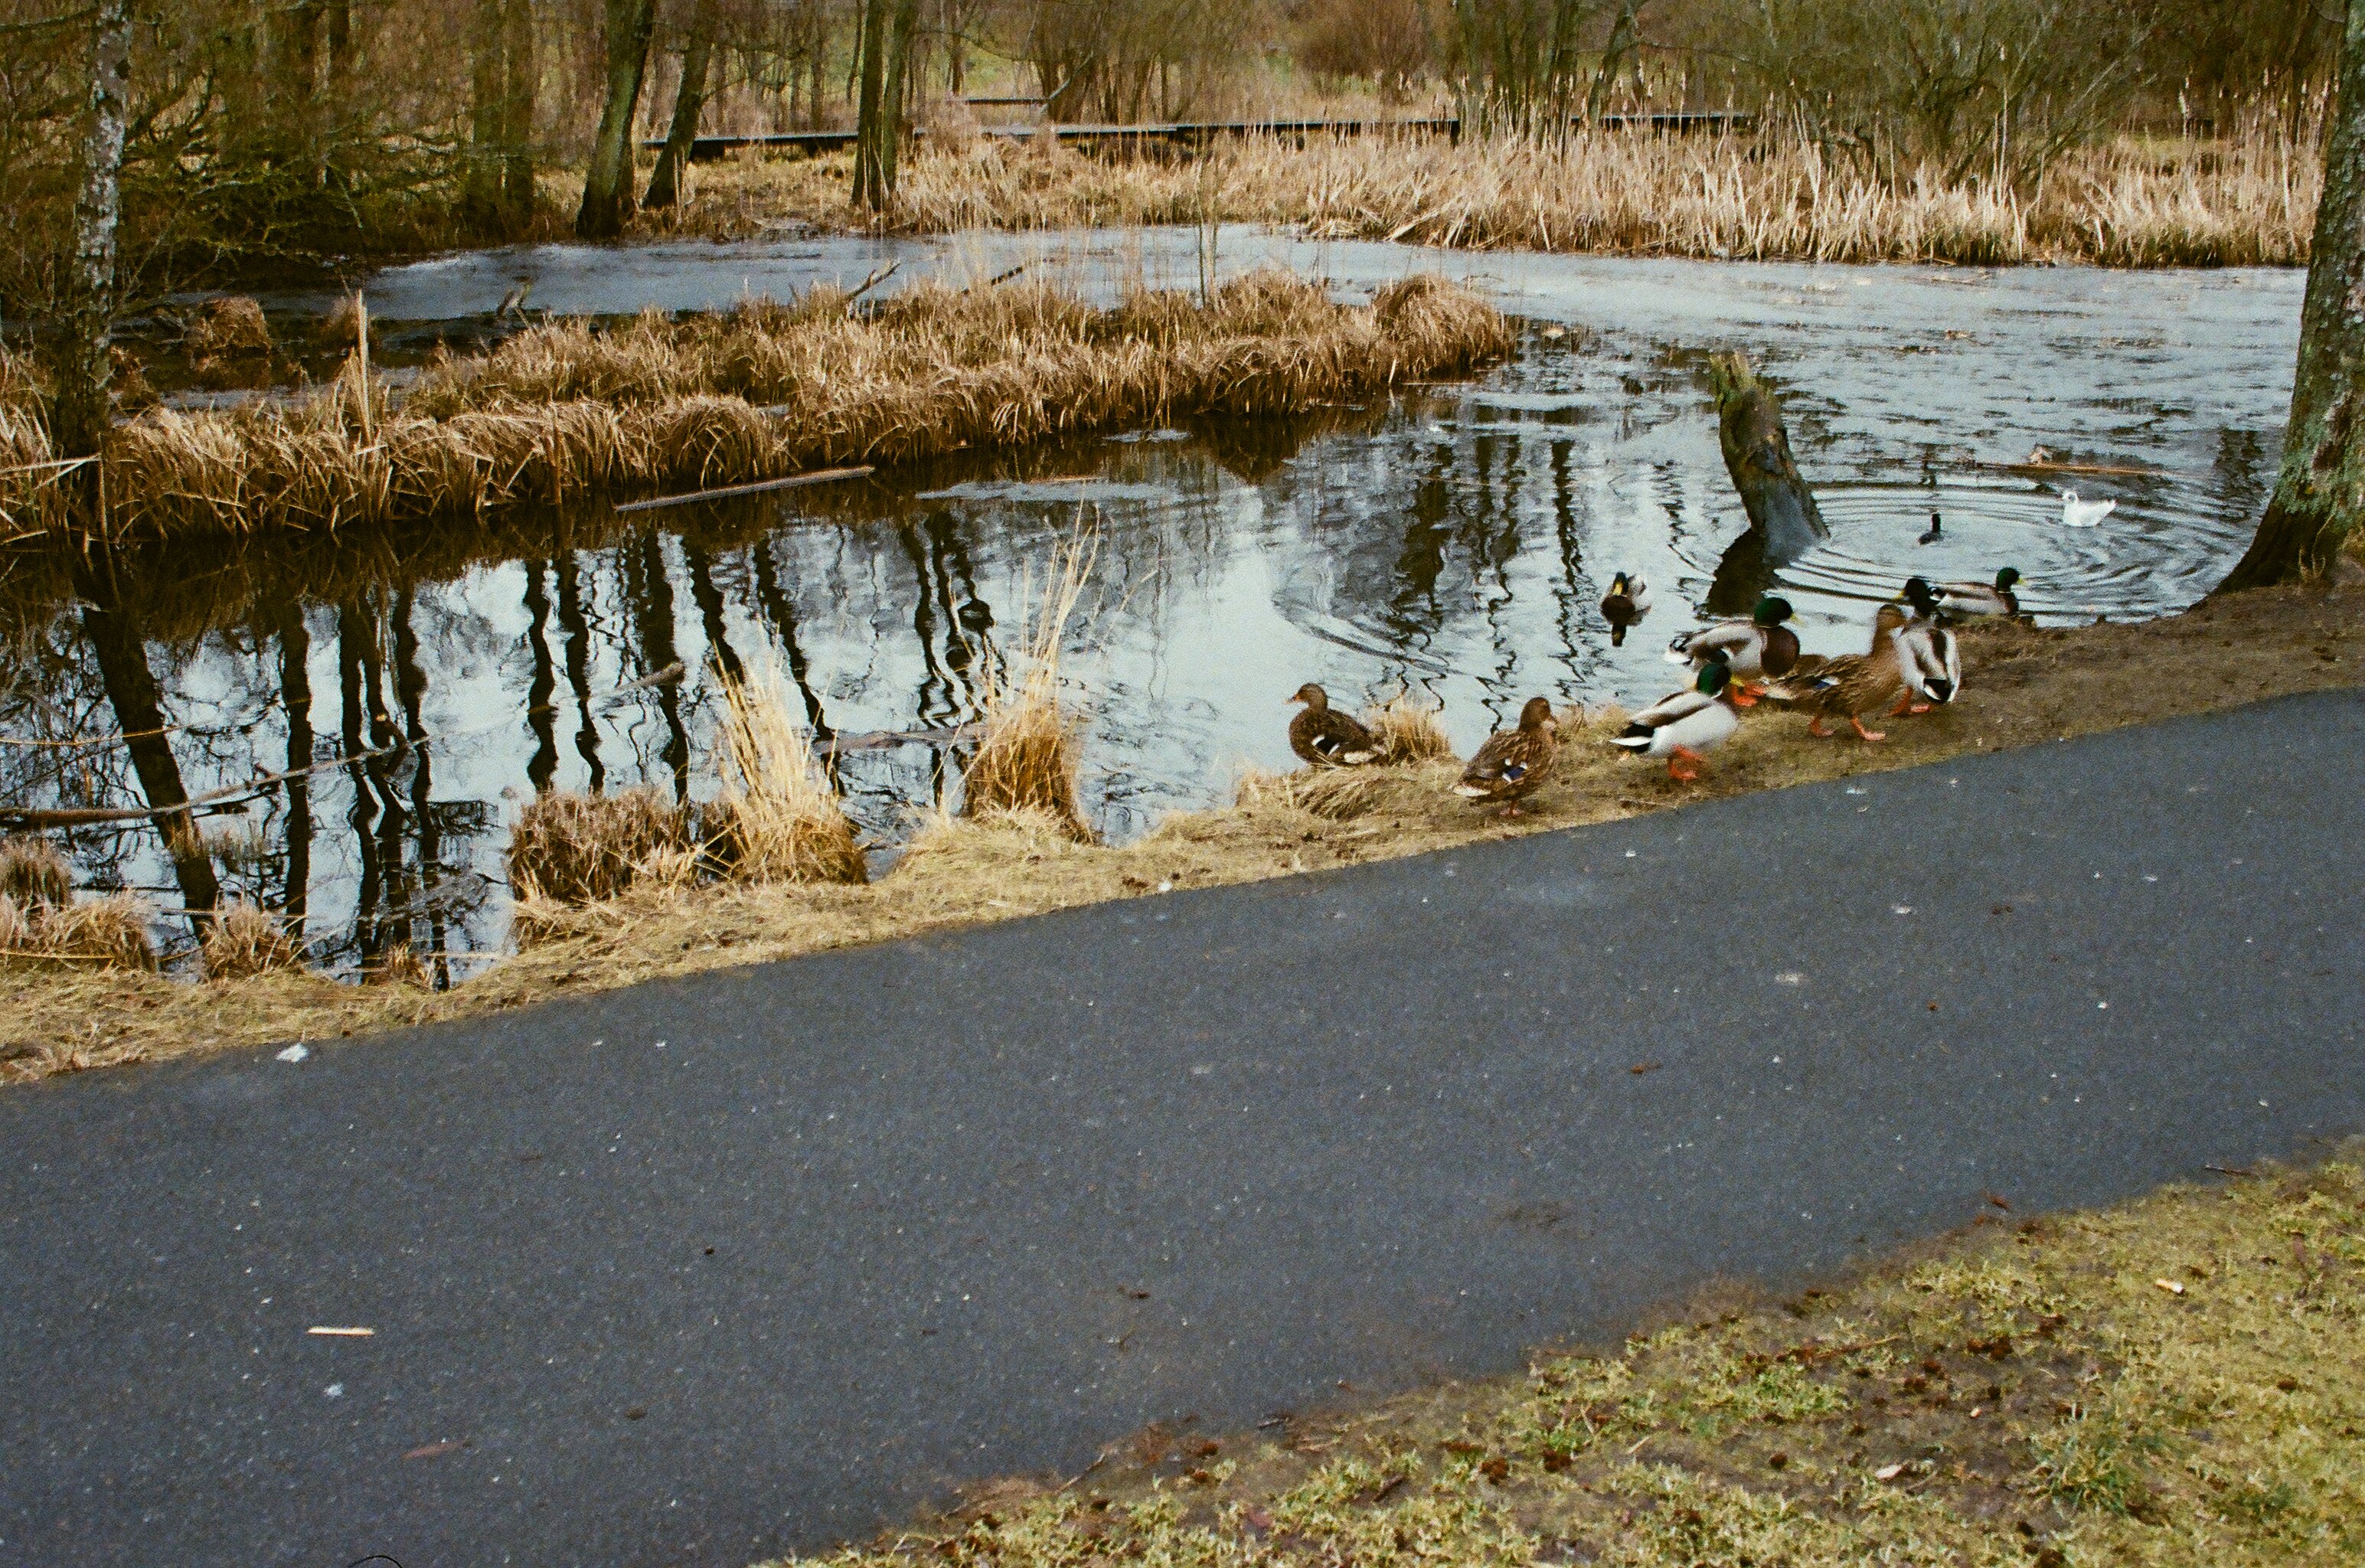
(608, 184)
(885, 47)
(79, 414)
(688, 101)
(2321, 488)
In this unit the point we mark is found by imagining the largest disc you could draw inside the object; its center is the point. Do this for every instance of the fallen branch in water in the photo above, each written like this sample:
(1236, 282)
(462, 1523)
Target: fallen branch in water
(821, 476)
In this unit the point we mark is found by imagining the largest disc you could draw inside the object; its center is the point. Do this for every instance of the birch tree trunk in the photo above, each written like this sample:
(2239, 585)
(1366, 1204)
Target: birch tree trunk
(2321, 488)
(608, 184)
(689, 100)
(78, 410)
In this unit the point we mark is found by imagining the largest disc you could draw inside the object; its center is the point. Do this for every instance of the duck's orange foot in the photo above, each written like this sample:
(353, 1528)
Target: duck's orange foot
(1815, 728)
(1863, 734)
(1904, 704)
(1918, 707)
(1745, 695)
(1683, 766)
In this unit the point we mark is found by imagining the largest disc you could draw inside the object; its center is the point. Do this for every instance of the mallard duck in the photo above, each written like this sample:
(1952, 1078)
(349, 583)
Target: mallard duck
(1851, 684)
(1980, 599)
(1513, 762)
(1760, 646)
(1325, 737)
(1683, 726)
(1627, 600)
(1936, 531)
(1933, 660)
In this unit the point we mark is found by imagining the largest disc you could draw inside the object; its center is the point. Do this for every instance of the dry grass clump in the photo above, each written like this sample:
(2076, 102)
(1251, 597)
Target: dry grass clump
(1026, 759)
(1408, 730)
(570, 848)
(246, 941)
(1336, 793)
(779, 821)
(767, 390)
(230, 344)
(2249, 200)
(110, 932)
(2021, 1395)
(33, 873)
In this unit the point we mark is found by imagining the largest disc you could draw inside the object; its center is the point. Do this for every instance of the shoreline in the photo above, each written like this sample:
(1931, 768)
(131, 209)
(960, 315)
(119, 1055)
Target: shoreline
(2022, 687)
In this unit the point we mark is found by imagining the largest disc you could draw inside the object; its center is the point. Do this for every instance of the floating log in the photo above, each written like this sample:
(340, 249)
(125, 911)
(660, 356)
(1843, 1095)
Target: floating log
(819, 476)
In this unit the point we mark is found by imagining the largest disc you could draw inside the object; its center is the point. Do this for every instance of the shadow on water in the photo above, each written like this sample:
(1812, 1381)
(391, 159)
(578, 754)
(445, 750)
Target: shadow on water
(417, 686)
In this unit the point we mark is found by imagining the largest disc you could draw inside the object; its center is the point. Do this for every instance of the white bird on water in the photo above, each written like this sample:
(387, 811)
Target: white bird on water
(2084, 514)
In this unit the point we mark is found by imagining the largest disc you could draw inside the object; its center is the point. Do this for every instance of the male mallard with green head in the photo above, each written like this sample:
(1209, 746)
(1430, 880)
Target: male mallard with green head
(1761, 645)
(1980, 599)
(1932, 656)
(1513, 762)
(1851, 685)
(1627, 600)
(1684, 726)
(1325, 737)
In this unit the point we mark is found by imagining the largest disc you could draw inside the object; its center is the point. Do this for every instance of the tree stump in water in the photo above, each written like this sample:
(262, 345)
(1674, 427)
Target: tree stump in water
(1782, 511)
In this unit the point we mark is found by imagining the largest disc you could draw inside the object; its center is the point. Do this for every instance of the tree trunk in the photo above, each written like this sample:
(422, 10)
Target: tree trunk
(480, 193)
(892, 92)
(1782, 510)
(2321, 488)
(296, 89)
(689, 100)
(130, 687)
(608, 184)
(870, 68)
(1623, 39)
(78, 410)
(522, 84)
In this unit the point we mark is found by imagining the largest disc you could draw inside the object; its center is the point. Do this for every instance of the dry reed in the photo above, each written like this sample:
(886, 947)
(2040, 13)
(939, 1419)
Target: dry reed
(111, 932)
(765, 389)
(246, 941)
(570, 848)
(1408, 730)
(1026, 759)
(2131, 201)
(34, 874)
(779, 819)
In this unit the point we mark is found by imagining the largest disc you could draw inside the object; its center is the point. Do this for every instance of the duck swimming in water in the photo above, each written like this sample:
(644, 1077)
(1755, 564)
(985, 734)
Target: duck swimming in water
(1627, 600)
(1981, 599)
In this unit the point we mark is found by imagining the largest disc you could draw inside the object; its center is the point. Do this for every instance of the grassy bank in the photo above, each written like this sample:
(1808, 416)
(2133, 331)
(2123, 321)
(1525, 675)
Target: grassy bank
(2128, 202)
(763, 390)
(2023, 687)
(2178, 1381)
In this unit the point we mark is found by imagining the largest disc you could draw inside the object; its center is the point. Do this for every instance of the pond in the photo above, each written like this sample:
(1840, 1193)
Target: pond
(1455, 541)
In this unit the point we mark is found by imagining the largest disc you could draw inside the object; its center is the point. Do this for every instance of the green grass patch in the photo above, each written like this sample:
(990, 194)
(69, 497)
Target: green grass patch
(2176, 1383)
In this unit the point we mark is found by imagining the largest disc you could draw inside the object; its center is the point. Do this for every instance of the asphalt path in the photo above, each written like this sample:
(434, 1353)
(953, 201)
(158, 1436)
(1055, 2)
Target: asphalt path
(709, 1269)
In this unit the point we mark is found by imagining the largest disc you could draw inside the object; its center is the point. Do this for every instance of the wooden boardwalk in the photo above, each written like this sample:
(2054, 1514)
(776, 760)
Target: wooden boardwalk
(1197, 133)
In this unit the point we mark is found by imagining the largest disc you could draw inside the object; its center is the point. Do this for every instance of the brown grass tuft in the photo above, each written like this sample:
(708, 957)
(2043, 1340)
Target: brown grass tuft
(230, 328)
(246, 941)
(2247, 200)
(1409, 730)
(398, 965)
(34, 874)
(111, 932)
(780, 820)
(1025, 760)
(577, 849)
(765, 389)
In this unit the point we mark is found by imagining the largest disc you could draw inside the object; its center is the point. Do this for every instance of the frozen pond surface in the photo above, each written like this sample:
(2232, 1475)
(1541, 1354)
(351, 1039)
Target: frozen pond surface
(1456, 540)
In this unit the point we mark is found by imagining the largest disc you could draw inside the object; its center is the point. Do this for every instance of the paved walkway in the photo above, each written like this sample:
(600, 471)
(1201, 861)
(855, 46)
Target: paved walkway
(706, 1269)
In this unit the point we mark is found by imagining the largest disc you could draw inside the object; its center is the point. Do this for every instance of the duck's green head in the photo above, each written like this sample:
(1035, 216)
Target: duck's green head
(1714, 675)
(1921, 595)
(1772, 610)
(2006, 579)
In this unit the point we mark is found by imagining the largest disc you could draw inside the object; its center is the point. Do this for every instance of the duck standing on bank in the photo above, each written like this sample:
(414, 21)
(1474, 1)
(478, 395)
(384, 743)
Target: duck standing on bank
(1851, 685)
(1627, 600)
(1324, 737)
(1931, 656)
(1684, 726)
(1982, 599)
(1512, 763)
(1759, 646)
